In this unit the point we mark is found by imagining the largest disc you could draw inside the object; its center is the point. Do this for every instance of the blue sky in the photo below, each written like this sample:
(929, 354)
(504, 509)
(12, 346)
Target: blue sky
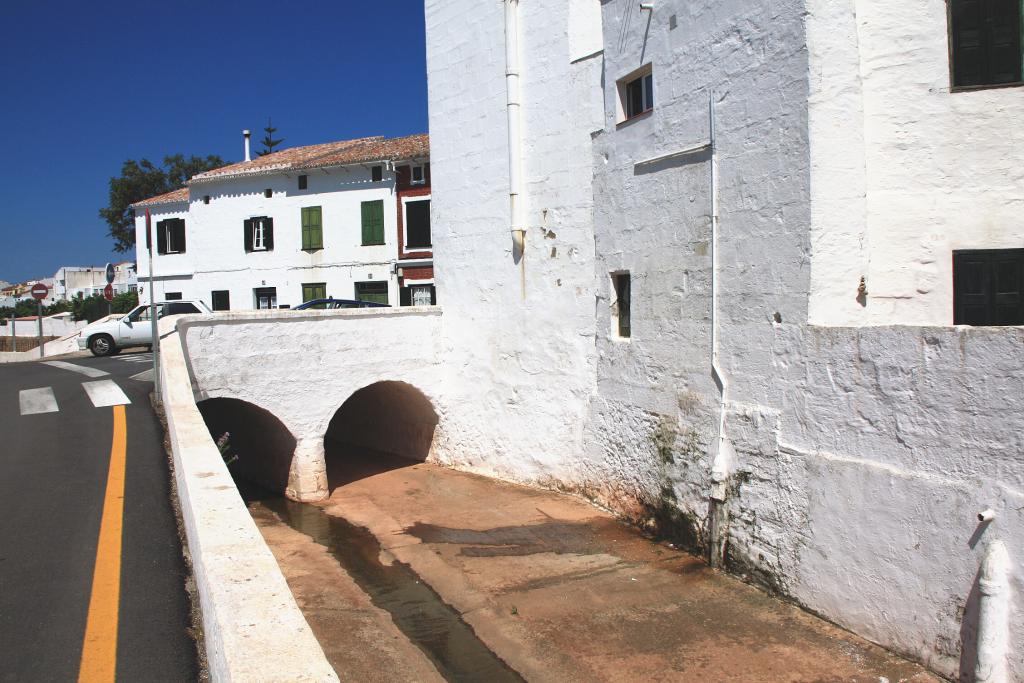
(85, 86)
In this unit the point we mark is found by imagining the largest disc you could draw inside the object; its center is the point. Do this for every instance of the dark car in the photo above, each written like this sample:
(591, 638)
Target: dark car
(327, 304)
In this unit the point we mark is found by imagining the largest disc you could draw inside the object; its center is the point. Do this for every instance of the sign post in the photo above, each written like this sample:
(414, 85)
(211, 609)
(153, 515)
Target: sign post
(152, 311)
(40, 292)
(108, 291)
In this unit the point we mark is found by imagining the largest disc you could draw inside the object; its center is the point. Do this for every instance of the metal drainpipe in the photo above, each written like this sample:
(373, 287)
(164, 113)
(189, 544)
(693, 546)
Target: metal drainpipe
(515, 135)
(993, 615)
(721, 464)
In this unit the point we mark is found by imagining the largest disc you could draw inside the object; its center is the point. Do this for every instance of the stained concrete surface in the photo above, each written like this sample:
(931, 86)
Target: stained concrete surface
(557, 589)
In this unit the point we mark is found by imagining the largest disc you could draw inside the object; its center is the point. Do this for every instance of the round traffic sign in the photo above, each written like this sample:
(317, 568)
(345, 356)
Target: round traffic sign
(40, 291)
(108, 293)
(110, 273)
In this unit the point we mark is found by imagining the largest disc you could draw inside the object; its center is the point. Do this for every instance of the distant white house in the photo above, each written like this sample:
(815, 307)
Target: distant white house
(348, 219)
(71, 282)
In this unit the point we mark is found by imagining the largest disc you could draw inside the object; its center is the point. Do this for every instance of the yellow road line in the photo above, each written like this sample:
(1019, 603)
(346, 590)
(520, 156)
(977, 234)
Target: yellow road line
(99, 649)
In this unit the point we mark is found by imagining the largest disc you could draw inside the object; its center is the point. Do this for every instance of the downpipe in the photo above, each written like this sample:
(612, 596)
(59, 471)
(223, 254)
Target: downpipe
(993, 616)
(723, 458)
(515, 136)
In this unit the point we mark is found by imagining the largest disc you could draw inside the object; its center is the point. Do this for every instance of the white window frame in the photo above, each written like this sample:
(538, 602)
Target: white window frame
(405, 224)
(259, 242)
(423, 175)
(168, 235)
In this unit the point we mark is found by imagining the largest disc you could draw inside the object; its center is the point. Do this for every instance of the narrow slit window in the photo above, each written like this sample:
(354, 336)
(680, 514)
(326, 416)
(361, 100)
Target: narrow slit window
(303, 182)
(621, 305)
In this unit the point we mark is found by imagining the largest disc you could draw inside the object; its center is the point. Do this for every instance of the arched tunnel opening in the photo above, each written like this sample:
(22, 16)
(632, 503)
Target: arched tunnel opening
(257, 446)
(381, 427)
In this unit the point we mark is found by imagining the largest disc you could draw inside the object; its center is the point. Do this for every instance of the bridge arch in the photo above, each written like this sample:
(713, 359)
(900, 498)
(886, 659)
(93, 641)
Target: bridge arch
(382, 426)
(261, 446)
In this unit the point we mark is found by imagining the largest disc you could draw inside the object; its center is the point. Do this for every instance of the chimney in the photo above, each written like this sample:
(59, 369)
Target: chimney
(246, 135)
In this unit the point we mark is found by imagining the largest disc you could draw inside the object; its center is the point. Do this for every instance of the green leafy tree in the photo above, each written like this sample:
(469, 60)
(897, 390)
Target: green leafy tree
(141, 180)
(268, 141)
(94, 307)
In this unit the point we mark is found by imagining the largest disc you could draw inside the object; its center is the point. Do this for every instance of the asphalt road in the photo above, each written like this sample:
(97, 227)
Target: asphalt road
(57, 476)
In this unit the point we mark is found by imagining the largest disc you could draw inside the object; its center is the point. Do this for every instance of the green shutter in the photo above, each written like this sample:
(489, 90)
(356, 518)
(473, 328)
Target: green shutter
(314, 290)
(312, 228)
(373, 222)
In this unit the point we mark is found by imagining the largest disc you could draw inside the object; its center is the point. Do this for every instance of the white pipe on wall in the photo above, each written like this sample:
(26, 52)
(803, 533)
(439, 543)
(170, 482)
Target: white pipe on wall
(514, 104)
(993, 616)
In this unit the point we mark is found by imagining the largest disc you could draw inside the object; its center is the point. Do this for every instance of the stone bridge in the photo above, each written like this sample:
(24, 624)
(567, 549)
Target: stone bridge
(282, 383)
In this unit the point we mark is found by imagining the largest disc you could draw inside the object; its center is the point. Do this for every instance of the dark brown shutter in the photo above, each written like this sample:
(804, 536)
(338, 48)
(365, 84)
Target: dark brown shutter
(268, 233)
(968, 43)
(988, 287)
(161, 237)
(179, 235)
(247, 228)
(433, 295)
(1004, 57)
(405, 296)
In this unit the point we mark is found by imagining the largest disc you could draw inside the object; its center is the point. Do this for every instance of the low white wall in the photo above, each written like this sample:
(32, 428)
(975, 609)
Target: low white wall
(253, 629)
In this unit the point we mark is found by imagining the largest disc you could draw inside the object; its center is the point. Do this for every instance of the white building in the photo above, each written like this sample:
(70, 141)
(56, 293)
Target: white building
(738, 387)
(348, 220)
(76, 282)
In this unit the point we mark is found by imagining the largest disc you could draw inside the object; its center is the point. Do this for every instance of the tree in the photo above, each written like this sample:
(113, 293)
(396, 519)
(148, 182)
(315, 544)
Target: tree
(141, 180)
(269, 143)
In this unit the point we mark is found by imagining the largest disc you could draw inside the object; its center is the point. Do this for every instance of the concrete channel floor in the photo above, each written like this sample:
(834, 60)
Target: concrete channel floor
(555, 588)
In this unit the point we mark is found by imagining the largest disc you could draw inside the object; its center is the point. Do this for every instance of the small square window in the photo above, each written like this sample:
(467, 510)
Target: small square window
(303, 182)
(377, 173)
(636, 94)
(418, 176)
(268, 193)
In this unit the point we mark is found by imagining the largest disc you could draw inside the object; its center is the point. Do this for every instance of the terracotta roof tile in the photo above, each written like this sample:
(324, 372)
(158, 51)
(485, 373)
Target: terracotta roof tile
(327, 154)
(173, 197)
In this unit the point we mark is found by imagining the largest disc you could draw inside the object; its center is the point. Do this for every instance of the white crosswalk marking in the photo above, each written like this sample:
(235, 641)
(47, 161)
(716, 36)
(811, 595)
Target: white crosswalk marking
(105, 393)
(37, 401)
(146, 358)
(81, 369)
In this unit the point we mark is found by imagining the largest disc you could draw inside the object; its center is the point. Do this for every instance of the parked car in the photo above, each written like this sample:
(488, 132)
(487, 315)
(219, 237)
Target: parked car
(108, 337)
(331, 303)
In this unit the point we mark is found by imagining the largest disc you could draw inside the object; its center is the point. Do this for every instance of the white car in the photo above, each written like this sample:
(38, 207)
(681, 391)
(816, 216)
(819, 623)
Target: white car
(135, 329)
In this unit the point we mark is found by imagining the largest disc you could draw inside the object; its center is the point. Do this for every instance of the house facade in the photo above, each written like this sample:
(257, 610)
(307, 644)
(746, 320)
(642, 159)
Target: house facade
(748, 273)
(75, 282)
(300, 224)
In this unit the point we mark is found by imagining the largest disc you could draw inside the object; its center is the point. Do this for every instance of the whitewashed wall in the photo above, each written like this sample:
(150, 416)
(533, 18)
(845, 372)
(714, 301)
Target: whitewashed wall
(518, 337)
(215, 257)
(903, 170)
(861, 456)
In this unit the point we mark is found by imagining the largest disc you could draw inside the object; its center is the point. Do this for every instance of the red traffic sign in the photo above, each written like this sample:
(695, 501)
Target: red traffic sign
(108, 293)
(40, 291)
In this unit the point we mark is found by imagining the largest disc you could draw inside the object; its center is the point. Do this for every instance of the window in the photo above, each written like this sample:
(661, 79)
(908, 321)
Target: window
(418, 295)
(373, 222)
(985, 42)
(312, 228)
(181, 309)
(417, 224)
(170, 236)
(314, 290)
(258, 233)
(636, 94)
(418, 175)
(173, 296)
(377, 173)
(303, 182)
(375, 292)
(987, 286)
(221, 300)
(265, 297)
(206, 199)
(621, 305)
(268, 193)
(141, 314)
